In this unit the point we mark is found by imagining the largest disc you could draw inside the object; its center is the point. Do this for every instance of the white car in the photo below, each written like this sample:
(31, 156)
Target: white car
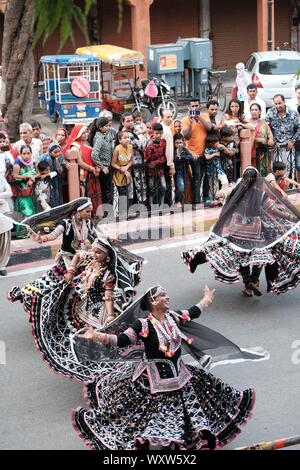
(273, 72)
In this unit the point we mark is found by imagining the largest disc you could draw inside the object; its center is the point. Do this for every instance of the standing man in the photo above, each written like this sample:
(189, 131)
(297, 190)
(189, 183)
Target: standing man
(294, 102)
(285, 126)
(37, 134)
(27, 138)
(213, 109)
(253, 98)
(194, 128)
(166, 122)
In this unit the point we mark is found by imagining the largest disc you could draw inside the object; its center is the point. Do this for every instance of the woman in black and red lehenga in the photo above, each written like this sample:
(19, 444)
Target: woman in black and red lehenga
(257, 228)
(160, 402)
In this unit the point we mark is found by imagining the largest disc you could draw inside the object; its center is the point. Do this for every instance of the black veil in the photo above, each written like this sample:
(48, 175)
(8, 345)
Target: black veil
(208, 348)
(50, 219)
(255, 215)
(55, 215)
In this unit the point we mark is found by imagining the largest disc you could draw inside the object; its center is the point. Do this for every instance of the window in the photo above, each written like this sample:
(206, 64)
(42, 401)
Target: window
(279, 67)
(250, 63)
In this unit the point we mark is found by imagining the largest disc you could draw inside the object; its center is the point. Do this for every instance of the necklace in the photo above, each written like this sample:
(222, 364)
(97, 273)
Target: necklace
(168, 333)
(92, 271)
(80, 232)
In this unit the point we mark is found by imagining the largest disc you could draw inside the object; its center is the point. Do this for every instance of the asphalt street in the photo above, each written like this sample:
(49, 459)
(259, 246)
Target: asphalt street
(35, 403)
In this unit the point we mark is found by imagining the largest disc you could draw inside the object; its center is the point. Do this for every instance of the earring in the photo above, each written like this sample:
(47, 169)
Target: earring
(107, 260)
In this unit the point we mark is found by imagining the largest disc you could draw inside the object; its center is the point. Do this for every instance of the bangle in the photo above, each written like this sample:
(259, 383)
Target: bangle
(71, 269)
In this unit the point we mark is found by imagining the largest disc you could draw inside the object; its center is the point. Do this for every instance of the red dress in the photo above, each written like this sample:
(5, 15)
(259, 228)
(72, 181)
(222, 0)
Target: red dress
(92, 182)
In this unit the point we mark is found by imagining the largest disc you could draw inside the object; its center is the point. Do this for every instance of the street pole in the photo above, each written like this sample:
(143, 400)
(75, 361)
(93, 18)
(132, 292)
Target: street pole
(273, 445)
(270, 24)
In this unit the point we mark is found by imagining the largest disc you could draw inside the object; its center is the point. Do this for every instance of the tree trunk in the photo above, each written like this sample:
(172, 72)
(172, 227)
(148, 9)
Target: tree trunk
(17, 64)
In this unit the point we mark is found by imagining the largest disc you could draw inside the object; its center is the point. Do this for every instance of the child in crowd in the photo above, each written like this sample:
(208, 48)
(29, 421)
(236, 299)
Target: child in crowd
(228, 148)
(140, 127)
(155, 158)
(122, 163)
(182, 159)
(6, 158)
(279, 180)
(43, 186)
(214, 168)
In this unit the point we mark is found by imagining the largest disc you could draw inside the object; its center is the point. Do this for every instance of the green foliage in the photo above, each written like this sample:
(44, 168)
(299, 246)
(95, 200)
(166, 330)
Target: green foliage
(62, 14)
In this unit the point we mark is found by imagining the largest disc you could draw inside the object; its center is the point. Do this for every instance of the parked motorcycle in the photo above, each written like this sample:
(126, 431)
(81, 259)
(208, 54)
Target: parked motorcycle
(159, 100)
(136, 100)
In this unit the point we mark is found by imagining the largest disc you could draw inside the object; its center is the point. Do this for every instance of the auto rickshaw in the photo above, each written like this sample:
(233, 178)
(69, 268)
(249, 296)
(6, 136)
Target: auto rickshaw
(118, 77)
(72, 88)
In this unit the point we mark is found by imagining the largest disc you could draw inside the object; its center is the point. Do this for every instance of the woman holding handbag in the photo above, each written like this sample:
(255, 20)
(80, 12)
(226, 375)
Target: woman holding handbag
(257, 226)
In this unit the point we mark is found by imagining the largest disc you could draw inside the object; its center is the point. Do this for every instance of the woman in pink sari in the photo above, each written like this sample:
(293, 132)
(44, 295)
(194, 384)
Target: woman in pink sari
(263, 141)
(89, 181)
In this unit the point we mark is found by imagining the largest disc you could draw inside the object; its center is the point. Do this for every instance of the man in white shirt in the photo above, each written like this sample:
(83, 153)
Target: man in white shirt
(253, 98)
(294, 102)
(26, 138)
(166, 122)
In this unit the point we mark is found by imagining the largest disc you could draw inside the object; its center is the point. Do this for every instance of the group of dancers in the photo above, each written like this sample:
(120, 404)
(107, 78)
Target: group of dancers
(132, 354)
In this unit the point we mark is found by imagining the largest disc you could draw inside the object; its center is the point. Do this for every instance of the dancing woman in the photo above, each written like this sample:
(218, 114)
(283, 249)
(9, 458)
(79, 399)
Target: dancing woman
(75, 226)
(161, 402)
(257, 226)
(93, 288)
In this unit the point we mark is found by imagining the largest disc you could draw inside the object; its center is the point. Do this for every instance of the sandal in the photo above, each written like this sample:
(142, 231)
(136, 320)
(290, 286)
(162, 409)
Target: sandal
(254, 288)
(248, 292)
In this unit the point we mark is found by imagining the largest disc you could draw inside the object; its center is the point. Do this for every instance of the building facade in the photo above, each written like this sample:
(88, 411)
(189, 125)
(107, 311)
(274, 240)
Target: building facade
(236, 28)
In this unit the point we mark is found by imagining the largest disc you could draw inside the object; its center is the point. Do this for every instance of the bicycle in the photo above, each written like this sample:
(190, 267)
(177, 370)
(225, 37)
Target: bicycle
(216, 91)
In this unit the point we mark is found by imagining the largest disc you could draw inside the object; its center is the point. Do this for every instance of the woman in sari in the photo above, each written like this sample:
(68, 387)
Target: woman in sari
(22, 181)
(89, 173)
(263, 140)
(61, 137)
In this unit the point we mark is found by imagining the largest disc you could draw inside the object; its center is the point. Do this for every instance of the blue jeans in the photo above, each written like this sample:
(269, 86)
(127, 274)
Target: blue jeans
(297, 157)
(179, 186)
(199, 174)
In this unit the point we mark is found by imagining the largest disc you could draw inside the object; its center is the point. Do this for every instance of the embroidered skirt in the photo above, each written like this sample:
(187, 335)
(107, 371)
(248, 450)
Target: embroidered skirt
(282, 261)
(205, 414)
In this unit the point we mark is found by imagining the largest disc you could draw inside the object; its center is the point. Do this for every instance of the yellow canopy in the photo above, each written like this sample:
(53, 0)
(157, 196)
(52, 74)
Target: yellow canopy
(113, 55)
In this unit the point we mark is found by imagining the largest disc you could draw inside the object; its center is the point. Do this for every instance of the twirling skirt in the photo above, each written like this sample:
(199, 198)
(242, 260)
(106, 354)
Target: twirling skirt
(205, 414)
(282, 261)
